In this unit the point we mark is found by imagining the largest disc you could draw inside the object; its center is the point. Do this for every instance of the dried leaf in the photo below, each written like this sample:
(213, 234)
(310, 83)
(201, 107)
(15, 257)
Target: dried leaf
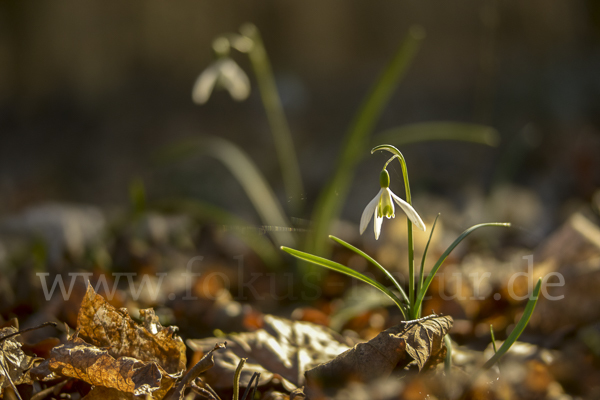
(572, 255)
(15, 364)
(81, 360)
(112, 351)
(283, 347)
(207, 362)
(102, 325)
(104, 393)
(420, 340)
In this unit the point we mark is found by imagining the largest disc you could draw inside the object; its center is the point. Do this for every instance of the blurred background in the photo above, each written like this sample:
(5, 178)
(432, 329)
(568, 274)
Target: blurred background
(92, 95)
(91, 92)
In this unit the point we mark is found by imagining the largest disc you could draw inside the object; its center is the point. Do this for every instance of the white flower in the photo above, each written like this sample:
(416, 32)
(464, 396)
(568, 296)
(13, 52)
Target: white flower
(224, 73)
(382, 205)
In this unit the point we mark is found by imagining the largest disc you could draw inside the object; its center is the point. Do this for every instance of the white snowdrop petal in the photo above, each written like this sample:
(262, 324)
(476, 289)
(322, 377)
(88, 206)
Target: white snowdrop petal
(410, 212)
(368, 213)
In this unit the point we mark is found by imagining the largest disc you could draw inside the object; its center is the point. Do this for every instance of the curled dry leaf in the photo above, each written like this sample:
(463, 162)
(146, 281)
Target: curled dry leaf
(96, 366)
(283, 347)
(14, 364)
(420, 340)
(113, 351)
(102, 325)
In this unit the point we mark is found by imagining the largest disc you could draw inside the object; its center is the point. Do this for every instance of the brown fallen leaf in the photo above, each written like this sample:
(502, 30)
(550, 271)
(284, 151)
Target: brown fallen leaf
(14, 364)
(282, 348)
(572, 255)
(111, 350)
(420, 340)
(100, 324)
(104, 393)
(207, 362)
(81, 360)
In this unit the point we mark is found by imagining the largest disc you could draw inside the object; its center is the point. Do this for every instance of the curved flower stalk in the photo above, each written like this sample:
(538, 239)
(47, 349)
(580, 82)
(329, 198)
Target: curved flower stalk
(227, 74)
(382, 205)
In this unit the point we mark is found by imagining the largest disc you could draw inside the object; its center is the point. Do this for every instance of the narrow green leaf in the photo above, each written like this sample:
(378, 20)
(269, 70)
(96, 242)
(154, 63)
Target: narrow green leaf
(448, 359)
(282, 136)
(443, 257)
(198, 210)
(429, 131)
(329, 203)
(248, 175)
(375, 263)
(493, 338)
(421, 273)
(514, 335)
(323, 262)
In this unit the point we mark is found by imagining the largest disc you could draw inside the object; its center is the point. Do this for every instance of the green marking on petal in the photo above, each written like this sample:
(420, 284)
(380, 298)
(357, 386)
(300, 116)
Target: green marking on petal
(384, 179)
(388, 211)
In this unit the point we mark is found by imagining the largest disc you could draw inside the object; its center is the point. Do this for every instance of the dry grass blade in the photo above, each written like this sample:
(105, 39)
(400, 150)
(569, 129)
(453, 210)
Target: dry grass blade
(253, 385)
(27, 330)
(204, 364)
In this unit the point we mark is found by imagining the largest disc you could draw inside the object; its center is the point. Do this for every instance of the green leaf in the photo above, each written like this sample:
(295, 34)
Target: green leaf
(329, 203)
(421, 273)
(282, 136)
(514, 335)
(443, 257)
(428, 131)
(323, 262)
(448, 359)
(493, 338)
(247, 174)
(374, 262)
(260, 244)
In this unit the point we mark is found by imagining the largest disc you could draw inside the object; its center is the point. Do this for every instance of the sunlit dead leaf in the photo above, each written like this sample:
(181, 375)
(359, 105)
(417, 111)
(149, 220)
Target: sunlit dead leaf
(14, 364)
(100, 324)
(95, 366)
(113, 351)
(421, 341)
(104, 393)
(283, 347)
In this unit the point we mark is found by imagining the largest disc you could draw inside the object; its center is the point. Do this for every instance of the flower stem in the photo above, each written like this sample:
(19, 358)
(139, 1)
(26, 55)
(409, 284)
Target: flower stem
(277, 120)
(411, 249)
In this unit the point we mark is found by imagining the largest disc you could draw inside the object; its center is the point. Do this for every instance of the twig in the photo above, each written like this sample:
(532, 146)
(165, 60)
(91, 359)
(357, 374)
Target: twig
(27, 330)
(12, 384)
(423, 319)
(204, 364)
(43, 393)
(255, 375)
(211, 390)
(202, 392)
(255, 386)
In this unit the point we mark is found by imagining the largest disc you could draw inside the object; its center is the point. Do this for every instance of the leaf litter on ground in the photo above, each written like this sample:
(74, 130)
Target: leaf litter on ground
(14, 363)
(109, 349)
(420, 341)
(282, 348)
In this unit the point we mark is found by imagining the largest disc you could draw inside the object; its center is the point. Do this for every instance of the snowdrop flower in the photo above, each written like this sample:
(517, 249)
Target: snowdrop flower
(223, 73)
(382, 205)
